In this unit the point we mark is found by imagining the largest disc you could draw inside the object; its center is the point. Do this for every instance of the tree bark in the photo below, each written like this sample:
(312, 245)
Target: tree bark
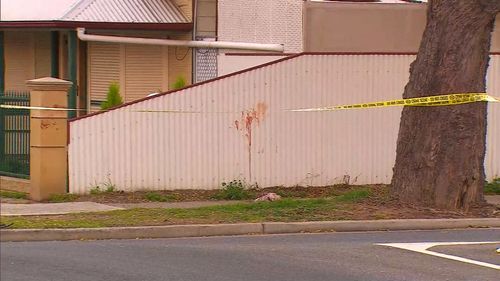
(440, 151)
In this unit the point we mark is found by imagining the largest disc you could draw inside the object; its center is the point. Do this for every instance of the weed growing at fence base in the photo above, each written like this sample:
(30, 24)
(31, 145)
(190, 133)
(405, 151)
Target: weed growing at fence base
(493, 187)
(107, 188)
(233, 190)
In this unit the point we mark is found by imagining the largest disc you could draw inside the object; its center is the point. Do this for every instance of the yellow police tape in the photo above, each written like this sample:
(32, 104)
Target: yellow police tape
(441, 100)
(7, 106)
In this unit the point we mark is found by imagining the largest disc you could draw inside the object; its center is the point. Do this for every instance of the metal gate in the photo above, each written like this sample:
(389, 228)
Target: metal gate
(15, 135)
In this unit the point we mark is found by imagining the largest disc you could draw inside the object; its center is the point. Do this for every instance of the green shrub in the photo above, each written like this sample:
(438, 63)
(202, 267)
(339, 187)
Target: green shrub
(106, 187)
(179, 83)
(113, 97)
(234, 190)
(492, 188)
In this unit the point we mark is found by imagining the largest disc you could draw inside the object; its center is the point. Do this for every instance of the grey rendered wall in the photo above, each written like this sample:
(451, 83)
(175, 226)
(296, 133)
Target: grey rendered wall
(367, 27)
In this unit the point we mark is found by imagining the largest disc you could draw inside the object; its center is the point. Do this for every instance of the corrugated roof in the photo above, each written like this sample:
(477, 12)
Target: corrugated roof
(130, 11)
(34, 10)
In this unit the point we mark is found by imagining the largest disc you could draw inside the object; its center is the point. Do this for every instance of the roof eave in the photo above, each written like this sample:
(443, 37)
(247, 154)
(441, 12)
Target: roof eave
(97, 25)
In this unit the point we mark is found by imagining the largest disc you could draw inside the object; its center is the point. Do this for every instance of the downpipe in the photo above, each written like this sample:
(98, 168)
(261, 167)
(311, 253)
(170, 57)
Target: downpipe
(183, 43)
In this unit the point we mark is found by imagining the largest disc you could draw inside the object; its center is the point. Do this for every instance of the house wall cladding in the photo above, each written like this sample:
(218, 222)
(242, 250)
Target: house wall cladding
(206, 29)
(27, 56)
(263, 21)
(242, 130)
(206, 18)
(139, 70)
(180, 61)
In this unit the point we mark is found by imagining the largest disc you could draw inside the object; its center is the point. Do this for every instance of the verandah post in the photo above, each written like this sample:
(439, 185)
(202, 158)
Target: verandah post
(72, 69)
(54, 54)
(2, 63)
(2, 92)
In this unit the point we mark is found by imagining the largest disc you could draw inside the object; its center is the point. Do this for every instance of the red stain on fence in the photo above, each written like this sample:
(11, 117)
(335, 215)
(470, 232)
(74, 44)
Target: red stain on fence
(245, 124)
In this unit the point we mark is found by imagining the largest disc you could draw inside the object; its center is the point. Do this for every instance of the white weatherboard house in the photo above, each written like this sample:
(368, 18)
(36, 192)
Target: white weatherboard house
(40, 38)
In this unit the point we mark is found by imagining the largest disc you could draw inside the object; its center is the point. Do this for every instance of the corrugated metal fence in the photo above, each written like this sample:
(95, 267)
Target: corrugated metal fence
(244, 132)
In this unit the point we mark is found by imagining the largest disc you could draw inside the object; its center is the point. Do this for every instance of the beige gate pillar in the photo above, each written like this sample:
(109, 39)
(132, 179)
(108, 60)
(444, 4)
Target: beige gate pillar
(48, 137)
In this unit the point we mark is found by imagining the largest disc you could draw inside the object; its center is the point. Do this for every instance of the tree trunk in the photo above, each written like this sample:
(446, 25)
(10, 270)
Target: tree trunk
(440, 151)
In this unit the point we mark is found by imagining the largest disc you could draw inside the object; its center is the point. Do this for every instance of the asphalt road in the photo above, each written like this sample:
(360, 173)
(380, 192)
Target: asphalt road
(334, 256)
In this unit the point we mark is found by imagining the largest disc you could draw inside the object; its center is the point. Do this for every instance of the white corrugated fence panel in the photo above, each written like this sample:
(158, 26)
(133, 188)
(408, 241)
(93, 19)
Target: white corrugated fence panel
(244, 132)
(492, 161)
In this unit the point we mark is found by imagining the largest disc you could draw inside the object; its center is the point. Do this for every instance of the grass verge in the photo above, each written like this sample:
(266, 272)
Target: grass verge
(284, 210)
(354, 195)
(157, 197)
(61, 198)
(13, 194)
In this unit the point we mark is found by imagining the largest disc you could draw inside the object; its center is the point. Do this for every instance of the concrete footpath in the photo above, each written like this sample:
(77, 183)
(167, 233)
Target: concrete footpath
(40, 209)
(35, 209)
(202, 230)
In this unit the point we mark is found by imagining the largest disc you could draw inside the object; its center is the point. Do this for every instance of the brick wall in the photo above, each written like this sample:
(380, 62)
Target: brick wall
(262, 21)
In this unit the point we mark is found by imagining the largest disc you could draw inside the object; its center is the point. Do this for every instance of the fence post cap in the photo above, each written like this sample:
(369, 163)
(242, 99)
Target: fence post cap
(49, 84)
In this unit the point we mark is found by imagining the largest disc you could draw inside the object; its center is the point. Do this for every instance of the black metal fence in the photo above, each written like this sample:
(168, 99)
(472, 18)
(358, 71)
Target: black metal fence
(15, 135)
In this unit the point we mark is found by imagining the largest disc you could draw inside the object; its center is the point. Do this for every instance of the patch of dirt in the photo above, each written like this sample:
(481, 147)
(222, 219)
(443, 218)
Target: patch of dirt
(208, 195)
(382, 206)
(140, 196)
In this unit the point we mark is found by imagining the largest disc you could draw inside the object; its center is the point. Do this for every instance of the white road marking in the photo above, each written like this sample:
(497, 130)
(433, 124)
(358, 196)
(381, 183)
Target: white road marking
(422, 248)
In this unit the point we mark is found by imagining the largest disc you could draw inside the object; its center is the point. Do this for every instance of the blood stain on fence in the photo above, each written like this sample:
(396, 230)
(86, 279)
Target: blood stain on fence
(249, 118)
